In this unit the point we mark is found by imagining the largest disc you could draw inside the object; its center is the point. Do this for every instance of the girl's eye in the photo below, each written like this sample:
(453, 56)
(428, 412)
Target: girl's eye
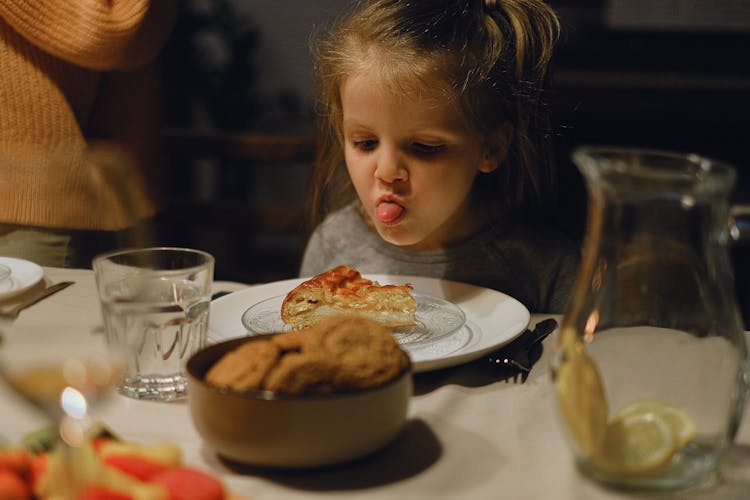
(366, 145)
(427, 149)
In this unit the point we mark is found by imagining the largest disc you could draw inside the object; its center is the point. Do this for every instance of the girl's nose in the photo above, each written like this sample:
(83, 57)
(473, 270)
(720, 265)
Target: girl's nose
(390, 167)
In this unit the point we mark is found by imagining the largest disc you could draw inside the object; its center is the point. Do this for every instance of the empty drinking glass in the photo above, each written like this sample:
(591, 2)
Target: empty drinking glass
(158, 299)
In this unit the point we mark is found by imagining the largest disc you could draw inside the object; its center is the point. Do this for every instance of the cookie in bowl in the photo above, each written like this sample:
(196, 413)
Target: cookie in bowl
(320, 396)
(337, 354)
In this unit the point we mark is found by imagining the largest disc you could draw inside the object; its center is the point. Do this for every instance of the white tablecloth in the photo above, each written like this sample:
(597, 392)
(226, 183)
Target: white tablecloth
(470, 436)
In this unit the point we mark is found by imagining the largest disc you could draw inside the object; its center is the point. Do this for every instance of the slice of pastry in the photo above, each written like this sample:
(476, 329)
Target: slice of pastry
(343, 290)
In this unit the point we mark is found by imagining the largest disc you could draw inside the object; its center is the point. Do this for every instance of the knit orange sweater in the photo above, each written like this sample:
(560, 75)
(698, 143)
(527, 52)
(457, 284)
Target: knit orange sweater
(72, 72)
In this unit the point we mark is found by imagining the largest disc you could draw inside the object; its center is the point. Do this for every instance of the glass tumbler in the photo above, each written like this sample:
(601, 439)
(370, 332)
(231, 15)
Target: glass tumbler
(158, 300)
(650, 364)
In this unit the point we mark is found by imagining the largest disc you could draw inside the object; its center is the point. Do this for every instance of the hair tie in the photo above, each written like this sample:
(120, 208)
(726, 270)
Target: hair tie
(491, 5)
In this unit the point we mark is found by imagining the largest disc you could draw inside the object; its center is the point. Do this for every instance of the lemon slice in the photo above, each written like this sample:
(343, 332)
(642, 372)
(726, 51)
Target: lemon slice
(580, 394)
(637, 443)
(682, 425)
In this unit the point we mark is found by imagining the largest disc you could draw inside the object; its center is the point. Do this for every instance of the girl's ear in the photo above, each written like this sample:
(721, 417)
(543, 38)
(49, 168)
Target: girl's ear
(496, 148)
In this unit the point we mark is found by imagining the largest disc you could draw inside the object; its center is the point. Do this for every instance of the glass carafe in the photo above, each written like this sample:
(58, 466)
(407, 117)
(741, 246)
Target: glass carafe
(650, 363)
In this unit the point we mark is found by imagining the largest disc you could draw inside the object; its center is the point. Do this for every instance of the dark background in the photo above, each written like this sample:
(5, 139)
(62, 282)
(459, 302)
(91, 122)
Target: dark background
(667, 74)
(652, 85)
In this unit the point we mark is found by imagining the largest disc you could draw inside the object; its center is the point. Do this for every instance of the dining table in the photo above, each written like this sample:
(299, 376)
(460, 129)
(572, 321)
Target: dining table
(471, 433)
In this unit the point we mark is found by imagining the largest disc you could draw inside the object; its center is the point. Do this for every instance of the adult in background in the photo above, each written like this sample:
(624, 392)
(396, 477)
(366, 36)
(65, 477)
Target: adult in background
(73, 72)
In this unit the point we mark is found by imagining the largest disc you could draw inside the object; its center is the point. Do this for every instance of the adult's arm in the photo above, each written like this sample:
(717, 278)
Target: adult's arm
(101, 35)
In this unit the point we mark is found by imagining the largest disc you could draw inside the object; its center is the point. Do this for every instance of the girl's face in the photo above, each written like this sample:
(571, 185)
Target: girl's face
(412, 160)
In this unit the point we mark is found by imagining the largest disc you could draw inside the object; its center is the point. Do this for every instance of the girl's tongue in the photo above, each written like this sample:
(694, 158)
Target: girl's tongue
(387, 211)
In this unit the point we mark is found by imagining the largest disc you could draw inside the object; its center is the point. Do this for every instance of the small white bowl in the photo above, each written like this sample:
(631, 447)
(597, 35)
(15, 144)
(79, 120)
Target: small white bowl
(267, 429)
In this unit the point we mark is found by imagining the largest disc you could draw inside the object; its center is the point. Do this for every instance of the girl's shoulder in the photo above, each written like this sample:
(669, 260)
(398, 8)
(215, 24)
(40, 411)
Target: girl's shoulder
(344, 229)
(345, 213)
(344, 221)
(538, 242)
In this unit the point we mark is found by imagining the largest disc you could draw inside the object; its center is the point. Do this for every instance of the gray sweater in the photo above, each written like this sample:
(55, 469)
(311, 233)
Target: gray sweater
(535, 265)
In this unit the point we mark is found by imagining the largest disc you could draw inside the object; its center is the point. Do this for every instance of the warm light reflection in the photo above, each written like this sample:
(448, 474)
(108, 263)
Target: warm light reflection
(72, 432)
(687, 201)
(591, 323)
(73, 403)
(599, 272)
(74, 372)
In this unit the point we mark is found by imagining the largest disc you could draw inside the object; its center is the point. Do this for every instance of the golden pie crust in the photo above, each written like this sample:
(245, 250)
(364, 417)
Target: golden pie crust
(343, 290)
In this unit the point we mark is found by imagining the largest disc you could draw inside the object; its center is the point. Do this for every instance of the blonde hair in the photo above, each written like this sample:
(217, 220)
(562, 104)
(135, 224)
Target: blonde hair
(491, 60)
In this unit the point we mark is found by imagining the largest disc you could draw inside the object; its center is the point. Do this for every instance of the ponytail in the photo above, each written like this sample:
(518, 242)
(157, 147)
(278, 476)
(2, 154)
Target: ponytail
(530, 30)
(534, 28)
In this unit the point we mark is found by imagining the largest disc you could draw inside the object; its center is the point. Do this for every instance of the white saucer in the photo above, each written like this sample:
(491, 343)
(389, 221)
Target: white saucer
(23, 275)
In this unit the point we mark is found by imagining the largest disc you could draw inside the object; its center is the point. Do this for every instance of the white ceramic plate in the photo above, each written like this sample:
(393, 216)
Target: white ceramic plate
(492, 318)
(436, 318)
(23, 275)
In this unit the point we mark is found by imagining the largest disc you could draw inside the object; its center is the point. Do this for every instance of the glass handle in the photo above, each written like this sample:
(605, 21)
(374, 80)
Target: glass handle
(739, 223)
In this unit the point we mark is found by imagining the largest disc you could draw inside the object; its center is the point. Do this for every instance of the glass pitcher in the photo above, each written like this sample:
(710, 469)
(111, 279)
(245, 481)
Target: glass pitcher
(650, 364)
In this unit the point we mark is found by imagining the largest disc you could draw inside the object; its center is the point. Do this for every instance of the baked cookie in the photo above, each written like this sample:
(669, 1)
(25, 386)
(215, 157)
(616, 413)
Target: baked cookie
(338, 354)
(245, 368)
(303, 373)
(306, 339)
(367, 353)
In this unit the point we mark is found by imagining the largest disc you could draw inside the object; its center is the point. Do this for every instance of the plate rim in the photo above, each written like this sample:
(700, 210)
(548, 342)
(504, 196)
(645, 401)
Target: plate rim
(469, 298)
(33, 274)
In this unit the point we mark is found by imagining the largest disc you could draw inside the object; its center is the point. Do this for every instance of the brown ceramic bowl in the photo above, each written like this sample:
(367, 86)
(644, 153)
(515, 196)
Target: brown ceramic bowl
(268, 429)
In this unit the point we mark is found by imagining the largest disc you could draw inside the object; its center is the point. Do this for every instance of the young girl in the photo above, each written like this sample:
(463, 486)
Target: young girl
(434, 107)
